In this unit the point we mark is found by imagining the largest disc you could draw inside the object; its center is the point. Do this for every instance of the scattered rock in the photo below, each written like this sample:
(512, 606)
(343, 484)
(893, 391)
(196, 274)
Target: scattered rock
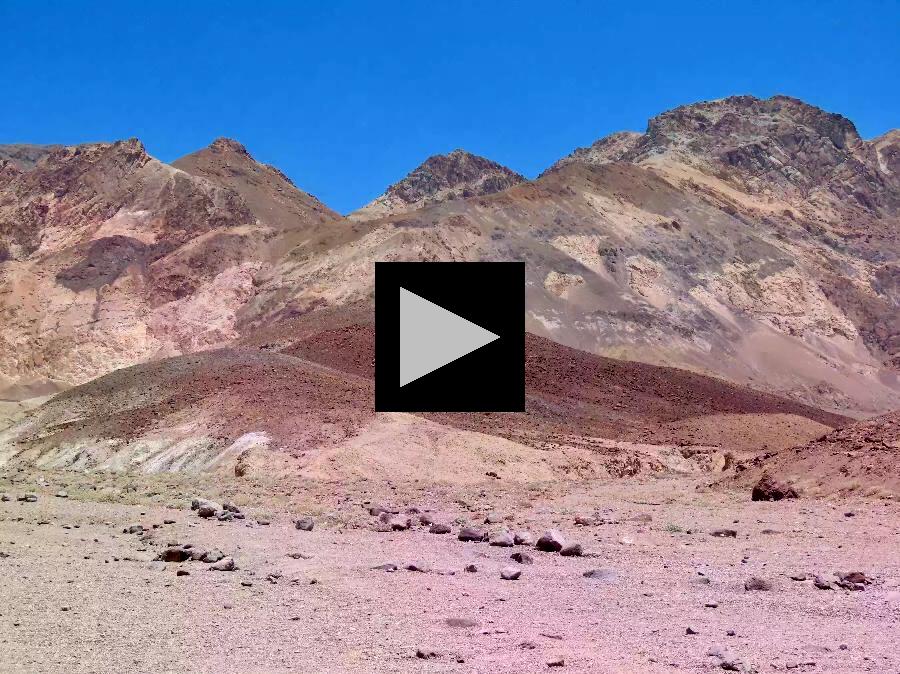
(510, 573)
(400, 523)
(460, 622)
(390, 568)
(770, 489)
(572, 550)
(28, 498)
(231, 507)
(426, 519)
(133, 529)
(691, 630)
(503, 539)
(523, 538)
(798, 576)
(601, 574)
(493, 518)
(723, 533)
(822, 583)
(225, 516)
(213, 556)
(522, 558)
(416, 567)
(472, 534)
(426, 653)
(168, 521)
(304, 524)
(182, 572)
(438, 528)
(551, 541)
(5, 497)
(175, 553)
(62, 494)
(584, 521)
(208, 509)
(377, 510)
(471, 568)
(224, 564)
(558, 661)
(756, 584)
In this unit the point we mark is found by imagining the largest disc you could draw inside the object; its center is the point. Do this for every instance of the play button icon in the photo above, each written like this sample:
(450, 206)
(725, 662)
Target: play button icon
(431, 336)
(449, 336)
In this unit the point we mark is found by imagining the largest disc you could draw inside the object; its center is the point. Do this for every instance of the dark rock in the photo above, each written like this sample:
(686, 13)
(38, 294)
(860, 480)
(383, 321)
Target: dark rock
(438, 528)
(770, 489)
(304, 524)
(522, 558)
(426, 653)
(691, 630)
(426, 519)
(390, 568)
(523, 538)
(572, 550)
(225, 516)
(558, 661)
(471, 568)
(174, 554)
(799, 576)
(62, 494)
(230, 507)
(551, 541)
(723, 533)
(208, 509)
(182, 572)
(28, 498)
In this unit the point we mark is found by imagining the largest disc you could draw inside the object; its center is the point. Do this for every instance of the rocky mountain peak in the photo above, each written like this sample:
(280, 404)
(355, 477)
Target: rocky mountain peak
(224, 145)
(442, 177)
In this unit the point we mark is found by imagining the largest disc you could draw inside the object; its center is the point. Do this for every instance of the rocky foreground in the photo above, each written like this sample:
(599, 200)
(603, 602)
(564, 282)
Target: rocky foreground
(105, 573)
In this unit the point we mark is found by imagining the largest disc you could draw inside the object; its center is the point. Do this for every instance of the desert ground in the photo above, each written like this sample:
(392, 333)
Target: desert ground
(81, 594)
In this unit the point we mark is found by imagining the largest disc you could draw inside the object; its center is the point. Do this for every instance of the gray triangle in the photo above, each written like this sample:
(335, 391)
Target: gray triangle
(431, 337)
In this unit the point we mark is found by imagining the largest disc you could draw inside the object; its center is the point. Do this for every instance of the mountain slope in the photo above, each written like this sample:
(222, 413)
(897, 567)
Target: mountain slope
(268, 193)
(441, 177)
(110, 257)
(750, 239)
(218, 409)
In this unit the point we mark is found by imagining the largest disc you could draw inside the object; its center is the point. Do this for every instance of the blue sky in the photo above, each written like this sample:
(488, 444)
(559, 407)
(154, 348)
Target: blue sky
(346, 97)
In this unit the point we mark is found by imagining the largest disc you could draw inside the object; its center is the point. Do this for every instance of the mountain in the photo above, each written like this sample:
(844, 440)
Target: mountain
(268, 193)
(749, 239)
(111, 257)
(442, 177)
(753, 240)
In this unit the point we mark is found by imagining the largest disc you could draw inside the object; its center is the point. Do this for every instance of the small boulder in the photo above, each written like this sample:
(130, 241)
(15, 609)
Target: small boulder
(212, 556)
(230, 507)
(224, 564)
(493, 518)
(572, 550)
(439, 528)
(304, 524)
(400, 523)
(208, 509)
(471, 534)
(770, 489)
(523, 538)
(756, 584)
(522, 558)
(62, 494)
(551, 541)
(510, 573)
(28, 498)
(503, 539)
(175, 553)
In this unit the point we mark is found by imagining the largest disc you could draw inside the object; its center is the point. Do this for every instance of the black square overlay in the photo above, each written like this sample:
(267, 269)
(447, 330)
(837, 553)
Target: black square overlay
(489, 294)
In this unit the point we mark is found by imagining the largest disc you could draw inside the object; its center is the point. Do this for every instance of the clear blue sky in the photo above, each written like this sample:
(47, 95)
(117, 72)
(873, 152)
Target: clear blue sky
(346, 97)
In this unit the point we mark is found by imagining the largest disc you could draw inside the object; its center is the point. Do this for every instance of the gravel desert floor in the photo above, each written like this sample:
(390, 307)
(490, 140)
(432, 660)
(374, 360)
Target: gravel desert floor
(655, 589)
